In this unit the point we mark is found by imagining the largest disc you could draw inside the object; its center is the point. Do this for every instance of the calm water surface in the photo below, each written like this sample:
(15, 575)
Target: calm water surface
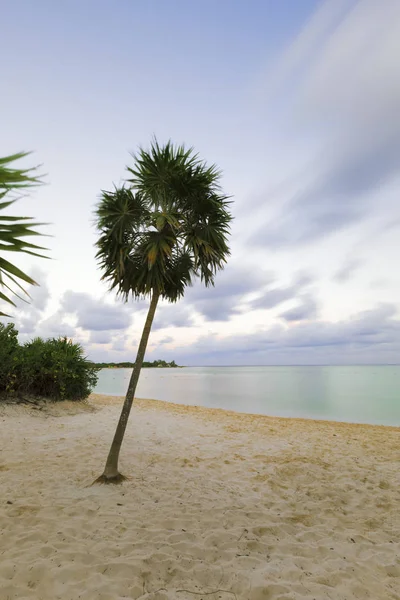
(356, 394)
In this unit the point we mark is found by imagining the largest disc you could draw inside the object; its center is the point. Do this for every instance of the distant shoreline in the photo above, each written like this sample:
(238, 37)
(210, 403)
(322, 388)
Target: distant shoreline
(255, 366)
(156, 364)
(146, 367)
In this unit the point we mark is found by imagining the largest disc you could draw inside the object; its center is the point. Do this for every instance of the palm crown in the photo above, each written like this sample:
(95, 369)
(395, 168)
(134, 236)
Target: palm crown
(169, 224)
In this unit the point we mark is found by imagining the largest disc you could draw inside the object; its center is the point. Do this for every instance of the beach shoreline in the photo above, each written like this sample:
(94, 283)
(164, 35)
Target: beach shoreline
(219, 503)
(206, 411)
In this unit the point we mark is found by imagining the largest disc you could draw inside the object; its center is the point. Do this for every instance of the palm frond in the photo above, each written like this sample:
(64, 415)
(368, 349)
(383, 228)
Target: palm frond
(121, 218)
(14, 179)
(179, 275)
(13, 229)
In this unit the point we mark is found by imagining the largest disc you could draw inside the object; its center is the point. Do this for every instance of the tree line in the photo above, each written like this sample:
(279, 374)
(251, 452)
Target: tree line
(146, 365)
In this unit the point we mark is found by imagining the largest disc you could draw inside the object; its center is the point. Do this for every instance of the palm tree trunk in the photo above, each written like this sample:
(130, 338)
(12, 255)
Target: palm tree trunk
(111, 473)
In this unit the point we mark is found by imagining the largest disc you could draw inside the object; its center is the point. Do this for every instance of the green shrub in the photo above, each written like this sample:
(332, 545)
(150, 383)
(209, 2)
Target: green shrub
(9, 349)
(54, 368)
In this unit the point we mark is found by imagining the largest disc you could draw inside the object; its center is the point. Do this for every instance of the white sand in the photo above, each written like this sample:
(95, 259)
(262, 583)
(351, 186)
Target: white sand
(219, 506)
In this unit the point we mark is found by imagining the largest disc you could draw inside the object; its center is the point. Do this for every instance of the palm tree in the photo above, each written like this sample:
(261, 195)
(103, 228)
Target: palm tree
(169, 225)
(13, 229)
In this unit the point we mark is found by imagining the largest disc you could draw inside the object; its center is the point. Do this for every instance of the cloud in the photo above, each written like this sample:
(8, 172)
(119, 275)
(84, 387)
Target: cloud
(120, 342)
(29, 317)
(27, 324)
(217, 309)
(307, 309)
(40, 294)
(348, 269)
(93, 314)
(347, 96)
(28, 312)
(100, 337)
(369, 337)
(55, 326)
(232, 285)
(325, 18)
(168, 339)
(172, 316)
(102, 320)
(274, 296)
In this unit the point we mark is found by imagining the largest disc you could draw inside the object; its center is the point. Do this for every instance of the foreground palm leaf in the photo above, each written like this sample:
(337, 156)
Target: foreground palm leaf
(15, 230)
(168, 226)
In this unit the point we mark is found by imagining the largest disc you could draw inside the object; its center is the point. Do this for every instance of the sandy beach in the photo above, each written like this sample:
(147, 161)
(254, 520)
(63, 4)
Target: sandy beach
(218, 506)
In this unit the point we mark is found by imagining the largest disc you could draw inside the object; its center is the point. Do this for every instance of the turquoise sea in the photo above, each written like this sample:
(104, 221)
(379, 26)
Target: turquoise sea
(359, 394)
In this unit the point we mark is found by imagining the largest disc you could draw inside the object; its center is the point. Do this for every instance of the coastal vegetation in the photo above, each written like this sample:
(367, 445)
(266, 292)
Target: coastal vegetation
(54, 369)
(146, 365)
(165, 227)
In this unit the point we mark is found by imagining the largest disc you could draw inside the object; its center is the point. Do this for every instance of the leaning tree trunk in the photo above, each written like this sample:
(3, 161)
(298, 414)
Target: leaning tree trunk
(111, 473)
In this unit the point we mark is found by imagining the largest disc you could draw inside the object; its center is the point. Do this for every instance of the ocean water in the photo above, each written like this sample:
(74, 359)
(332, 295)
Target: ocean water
(358, 394)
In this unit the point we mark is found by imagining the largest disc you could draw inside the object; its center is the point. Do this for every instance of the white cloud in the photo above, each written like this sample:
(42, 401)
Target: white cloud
(95, 314)
(345, 96)
(369, 337)
(100, 337)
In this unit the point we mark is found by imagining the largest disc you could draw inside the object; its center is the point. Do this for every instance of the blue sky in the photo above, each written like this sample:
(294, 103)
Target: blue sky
(297, 102)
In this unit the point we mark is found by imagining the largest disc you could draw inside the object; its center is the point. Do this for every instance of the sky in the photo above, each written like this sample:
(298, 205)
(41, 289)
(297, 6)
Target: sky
(298, 103)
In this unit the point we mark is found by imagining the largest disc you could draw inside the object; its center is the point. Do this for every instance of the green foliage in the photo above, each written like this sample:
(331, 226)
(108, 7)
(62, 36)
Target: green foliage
(56, 368)
(9, 352)
(130, 365)
(169, 225)
(12, 179)
(14, 231)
